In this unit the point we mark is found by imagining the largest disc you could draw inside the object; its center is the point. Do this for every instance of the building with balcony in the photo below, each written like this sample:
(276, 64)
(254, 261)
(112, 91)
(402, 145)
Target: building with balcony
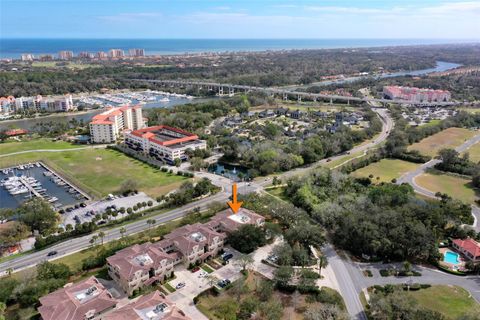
(108, 126)
(136, 52)
(85, 300)
(116, 53)
(164, 143)
(65, 55)
(415, 95)
(140, 265)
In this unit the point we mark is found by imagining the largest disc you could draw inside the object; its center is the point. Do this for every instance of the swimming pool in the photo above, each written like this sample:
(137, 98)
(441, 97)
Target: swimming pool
(451, 257)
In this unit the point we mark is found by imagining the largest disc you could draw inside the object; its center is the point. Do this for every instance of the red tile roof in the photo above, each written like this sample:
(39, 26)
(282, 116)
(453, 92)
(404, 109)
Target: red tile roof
(149, 133)
(469, 245)
(66, 304)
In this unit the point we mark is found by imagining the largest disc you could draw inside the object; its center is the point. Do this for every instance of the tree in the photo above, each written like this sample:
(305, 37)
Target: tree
(247, 238)
(128, 186)
(12, 232)
(177, 162)
(38, 215)
(93, 240)
(244, 261)
(3, 307)
(151, 222)
(47, 270)
(265, 290)
(325, 312)
(122, 231)
(322, 263)
(101, 235)
(283, 276)
(271, 310)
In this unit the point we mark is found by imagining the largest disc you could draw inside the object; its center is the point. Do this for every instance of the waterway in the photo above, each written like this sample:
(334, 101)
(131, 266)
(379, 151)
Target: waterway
(61, 192)
(30, 123)
(440, 67)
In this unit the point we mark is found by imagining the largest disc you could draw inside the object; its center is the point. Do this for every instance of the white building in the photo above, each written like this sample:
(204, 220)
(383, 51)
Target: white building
(116, 53)
(27, 57)
(108, 126)
(39, 104)
(164, 143)
(136, 52)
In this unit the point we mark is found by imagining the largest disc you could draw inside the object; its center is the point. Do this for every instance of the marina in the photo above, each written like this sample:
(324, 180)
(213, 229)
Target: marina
(23, 182)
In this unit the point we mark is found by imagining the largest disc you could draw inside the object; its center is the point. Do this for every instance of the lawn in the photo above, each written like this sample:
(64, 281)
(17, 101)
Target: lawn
(102, 171)
(455, 186)
(451, 301)
(278, 192)
(474, 153)
(345, 159)
(385, 170)
(448, 138)
(35, 144)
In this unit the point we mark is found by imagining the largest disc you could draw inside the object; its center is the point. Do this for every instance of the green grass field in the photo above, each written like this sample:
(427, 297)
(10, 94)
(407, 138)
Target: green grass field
(101, 171)
(70, 65)
(448, 138)
(385, 170)
(470, 110)
(456, 187)
(35, 144)
(451, 301)
(474, 153)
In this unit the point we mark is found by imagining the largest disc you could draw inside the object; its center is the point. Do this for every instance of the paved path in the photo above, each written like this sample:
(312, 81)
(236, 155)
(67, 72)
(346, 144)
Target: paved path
(100, 146)
(410, 178)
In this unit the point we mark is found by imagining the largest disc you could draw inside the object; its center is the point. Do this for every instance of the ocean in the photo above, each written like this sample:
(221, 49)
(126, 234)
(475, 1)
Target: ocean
(13, 48)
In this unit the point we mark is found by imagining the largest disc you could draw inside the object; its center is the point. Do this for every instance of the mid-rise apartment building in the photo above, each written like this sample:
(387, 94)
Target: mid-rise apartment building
(39, 103)
(27, 57)
(415, 95)
(101, 55)
(108, 126)
(164, 143)
(85, 300)
(153, 306)
(142, 265)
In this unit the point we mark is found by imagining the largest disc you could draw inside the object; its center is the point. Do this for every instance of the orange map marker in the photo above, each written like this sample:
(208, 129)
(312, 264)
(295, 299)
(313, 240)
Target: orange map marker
(234, 205)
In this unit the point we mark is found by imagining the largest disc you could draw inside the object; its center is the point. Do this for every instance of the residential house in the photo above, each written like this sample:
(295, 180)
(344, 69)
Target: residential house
(468, 247)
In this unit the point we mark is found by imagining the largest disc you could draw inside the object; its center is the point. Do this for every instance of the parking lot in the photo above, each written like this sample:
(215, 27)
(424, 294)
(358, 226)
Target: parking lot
(101, 206)
(195, 284)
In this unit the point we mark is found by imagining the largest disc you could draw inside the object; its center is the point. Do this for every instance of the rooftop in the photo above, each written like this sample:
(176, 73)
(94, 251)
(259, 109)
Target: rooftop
(165, 135)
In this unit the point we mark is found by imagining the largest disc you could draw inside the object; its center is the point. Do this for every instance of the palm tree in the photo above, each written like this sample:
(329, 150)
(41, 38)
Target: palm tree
(151, 222)
(101, 235)
(322, 263)
(123, 230)
(93, 240)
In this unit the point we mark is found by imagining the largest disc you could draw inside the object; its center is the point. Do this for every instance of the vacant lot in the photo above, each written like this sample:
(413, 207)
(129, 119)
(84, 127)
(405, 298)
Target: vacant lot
(474, 153)
(451, 301)
(385, 170)
(35, 144)
(448, 138)
(454, 186)
(101, 171)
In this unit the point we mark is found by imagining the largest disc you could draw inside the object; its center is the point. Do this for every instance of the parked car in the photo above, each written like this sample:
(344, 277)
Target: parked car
(223, 283)
(83, 205)
(195, 269)
(227, 256)
(180, 285)
(52, 253)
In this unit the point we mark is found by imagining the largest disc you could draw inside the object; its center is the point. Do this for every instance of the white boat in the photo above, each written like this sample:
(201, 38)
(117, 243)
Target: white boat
(165, 99)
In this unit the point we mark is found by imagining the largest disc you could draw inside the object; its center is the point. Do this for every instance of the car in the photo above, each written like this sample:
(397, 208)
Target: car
(69, 209)
(101, 222)
(195, 269)
(227, 256)
(83, 205)
(272, 258)
(202, 274)
(180, 285)
(348, 152)
(223, 283)
(328, 160)
(52, 253)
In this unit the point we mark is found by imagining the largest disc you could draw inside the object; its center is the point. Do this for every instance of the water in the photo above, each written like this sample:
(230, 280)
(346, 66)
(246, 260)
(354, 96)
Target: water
(229, 171)
(29, 124)
(13, 201)
(451, 257)
(13, 48)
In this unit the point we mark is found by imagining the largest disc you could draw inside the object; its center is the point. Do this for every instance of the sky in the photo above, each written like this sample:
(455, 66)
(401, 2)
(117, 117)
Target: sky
(247, 19)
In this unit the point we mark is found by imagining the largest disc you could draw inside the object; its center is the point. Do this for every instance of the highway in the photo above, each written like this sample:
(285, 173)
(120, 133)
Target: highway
(285, 92)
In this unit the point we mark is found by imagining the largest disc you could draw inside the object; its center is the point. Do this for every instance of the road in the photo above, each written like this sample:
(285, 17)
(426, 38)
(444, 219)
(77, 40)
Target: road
(410, 177)
(99, 146)
(74, 245)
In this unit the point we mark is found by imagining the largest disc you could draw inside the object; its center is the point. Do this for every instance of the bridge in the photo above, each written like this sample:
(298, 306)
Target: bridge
(230, 89)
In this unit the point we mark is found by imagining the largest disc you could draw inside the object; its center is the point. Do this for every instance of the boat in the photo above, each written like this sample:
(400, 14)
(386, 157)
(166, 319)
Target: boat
(165, 99)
